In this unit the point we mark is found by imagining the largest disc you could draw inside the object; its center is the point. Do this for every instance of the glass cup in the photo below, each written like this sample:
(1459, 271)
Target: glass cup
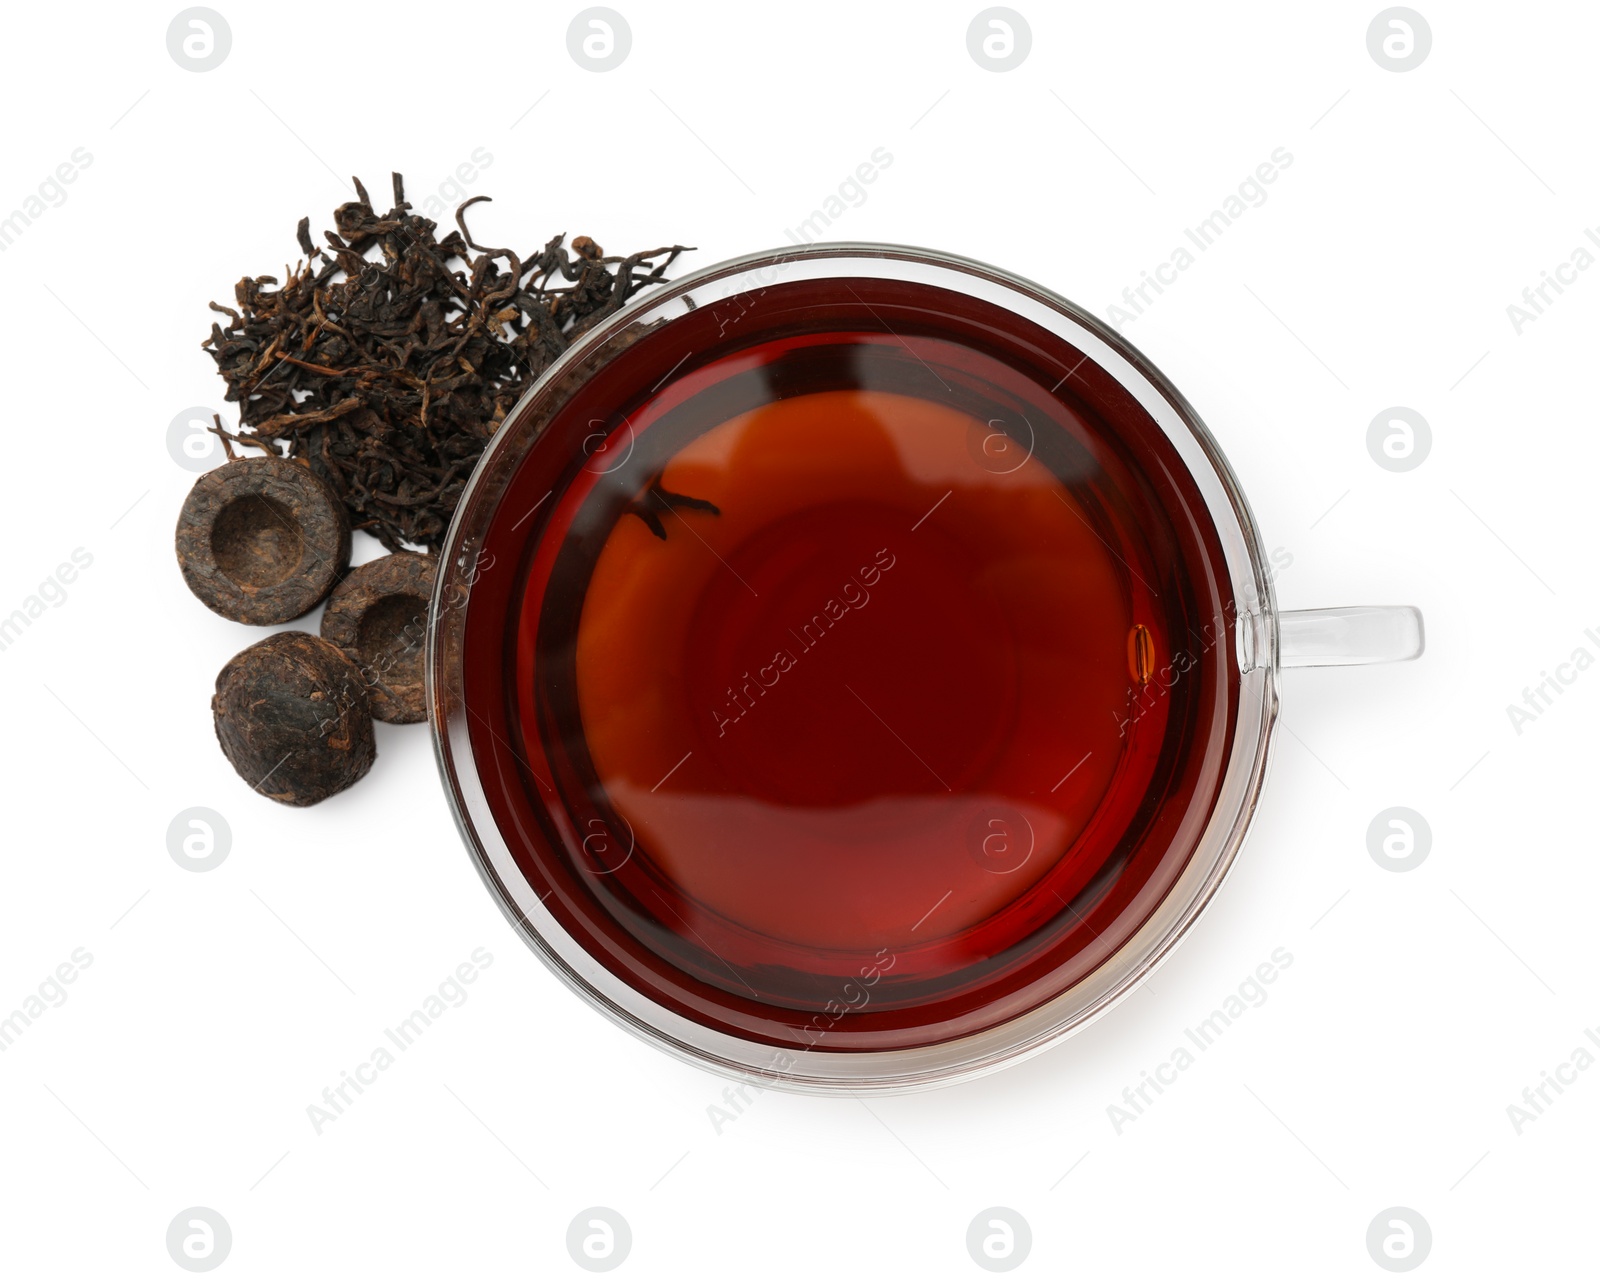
(770, 421)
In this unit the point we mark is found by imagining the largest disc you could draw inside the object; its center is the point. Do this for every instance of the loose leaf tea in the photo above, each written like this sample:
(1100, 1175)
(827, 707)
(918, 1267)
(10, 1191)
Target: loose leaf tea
(389, 374)
(654, 499)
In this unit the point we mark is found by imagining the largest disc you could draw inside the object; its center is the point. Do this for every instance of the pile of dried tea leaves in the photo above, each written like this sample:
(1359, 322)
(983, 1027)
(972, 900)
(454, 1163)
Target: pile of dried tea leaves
(388, 374)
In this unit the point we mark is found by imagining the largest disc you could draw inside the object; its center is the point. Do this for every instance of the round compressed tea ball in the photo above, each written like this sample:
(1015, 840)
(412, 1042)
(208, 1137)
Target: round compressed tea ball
(262, 540)
(378, 616)
(292, 716)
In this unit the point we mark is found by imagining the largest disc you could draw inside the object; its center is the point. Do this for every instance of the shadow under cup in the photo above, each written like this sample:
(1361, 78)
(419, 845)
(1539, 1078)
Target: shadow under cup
(848, 666)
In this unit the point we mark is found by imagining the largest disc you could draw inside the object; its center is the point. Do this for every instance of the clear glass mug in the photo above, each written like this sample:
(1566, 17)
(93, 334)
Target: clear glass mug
(504, 767)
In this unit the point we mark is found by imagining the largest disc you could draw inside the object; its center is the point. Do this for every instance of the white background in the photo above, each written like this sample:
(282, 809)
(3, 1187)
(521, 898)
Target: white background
(1377, 273)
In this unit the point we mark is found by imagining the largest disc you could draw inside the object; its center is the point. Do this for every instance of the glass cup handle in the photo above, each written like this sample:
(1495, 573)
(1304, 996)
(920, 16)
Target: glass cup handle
(1349, 637)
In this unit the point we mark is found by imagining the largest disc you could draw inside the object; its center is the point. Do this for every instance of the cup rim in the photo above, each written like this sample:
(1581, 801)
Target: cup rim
(893, 1070)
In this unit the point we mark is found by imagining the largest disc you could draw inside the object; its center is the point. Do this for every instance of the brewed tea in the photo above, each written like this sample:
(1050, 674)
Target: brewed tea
(903, 724)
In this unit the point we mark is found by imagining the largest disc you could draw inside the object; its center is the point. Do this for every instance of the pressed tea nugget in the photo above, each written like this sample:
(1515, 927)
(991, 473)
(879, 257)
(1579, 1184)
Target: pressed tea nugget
(293, 719)
(262, 540)
(378, 617)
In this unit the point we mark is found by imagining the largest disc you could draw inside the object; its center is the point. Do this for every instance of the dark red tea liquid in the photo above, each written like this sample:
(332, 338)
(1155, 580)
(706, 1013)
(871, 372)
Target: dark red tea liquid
(909, 733)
